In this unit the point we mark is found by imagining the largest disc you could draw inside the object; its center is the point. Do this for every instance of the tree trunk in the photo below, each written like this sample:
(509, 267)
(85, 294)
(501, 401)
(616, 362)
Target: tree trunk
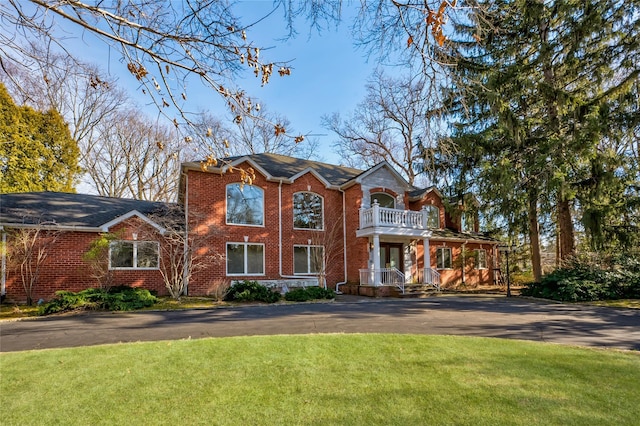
(534, 235)
(566, 243)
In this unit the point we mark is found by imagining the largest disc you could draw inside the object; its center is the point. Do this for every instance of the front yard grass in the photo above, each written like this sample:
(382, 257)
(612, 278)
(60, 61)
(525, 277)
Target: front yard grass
(341, 379)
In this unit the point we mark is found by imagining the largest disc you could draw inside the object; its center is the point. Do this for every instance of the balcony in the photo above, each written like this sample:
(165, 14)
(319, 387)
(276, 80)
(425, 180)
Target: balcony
(385, 221)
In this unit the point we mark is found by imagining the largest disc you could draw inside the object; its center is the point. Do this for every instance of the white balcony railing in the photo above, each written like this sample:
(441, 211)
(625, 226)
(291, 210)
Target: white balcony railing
(377, 216)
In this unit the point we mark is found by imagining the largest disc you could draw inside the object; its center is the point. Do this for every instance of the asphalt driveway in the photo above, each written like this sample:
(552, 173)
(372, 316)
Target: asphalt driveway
(502, 317)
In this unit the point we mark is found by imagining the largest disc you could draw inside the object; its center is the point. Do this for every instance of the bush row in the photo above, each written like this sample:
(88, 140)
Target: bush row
(120, 298)
(125, 298)
(583, 281)
(309, 293)
(252, 291)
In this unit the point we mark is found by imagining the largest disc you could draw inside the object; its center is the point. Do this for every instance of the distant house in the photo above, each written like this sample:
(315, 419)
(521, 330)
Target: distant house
(295, 223)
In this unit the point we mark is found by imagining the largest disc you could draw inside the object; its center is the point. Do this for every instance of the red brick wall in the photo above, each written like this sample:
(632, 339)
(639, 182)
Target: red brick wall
(64, 268)
(431, 199)
(207, 215)
(357, 248)
(453, 277)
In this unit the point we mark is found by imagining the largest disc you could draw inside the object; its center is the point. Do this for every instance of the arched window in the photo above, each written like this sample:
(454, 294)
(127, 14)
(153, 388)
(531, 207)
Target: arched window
(433, 217)
(307, 211)
(245, 204)
(384, 200)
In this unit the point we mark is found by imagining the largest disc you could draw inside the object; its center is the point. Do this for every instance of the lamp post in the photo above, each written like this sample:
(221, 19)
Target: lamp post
(508, 250)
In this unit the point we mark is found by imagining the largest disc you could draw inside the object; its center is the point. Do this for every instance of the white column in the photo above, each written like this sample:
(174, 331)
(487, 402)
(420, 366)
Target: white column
(426, 272)
(427, 253)
(376, 259)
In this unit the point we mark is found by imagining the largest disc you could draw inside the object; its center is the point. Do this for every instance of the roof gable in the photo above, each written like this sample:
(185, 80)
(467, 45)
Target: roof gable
(386, 166)
(283, 168)
(133, 213)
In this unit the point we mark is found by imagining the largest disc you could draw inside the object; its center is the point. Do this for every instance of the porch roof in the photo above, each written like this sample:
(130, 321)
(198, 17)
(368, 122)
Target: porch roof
(451, 235)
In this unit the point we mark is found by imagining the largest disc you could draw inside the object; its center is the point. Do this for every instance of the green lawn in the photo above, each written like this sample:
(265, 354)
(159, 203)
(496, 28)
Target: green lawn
(322, 379)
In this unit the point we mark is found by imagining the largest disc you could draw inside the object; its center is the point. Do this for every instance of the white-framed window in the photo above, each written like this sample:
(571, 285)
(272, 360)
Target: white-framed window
(245, 259)
(443, 258)
(384, 200)
(433, 217)
(245, 205)
(134, 255)
(481, 259)
(307, 259)
(308, 209)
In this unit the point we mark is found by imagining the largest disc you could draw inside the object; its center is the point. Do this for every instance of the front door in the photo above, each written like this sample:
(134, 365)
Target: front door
(391, 256)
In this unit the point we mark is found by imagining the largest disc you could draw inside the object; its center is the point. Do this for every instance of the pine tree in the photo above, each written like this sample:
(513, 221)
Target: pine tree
(531, 82)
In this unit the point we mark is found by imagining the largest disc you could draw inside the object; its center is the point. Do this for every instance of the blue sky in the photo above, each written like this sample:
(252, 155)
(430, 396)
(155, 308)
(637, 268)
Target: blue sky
(328, 73)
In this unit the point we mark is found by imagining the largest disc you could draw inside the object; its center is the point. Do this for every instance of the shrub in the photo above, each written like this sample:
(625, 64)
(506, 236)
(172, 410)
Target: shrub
(121, 298)
(250, 291)
(585, 281)
(309, 293)
(218, 289)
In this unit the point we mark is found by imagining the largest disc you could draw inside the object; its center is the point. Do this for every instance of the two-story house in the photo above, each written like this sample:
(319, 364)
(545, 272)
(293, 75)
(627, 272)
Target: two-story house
(367, 232)
(294, 222)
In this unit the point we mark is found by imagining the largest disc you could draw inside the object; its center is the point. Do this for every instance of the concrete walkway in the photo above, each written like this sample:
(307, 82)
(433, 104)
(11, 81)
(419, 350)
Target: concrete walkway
(488, 316)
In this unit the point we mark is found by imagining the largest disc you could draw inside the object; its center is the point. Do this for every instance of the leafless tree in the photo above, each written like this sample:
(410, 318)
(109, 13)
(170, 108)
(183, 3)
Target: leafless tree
(79, 91)
(136, 158)
(331, 241)
(27, 250)
(397, 122)
(164, 44)
(249, 137)
(97, 259)
(182, 252)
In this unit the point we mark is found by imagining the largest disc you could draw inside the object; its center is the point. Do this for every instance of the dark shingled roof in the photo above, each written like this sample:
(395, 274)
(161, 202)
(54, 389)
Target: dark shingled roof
(419, 192)
(451, 234)
(64, 209)
(282, 166)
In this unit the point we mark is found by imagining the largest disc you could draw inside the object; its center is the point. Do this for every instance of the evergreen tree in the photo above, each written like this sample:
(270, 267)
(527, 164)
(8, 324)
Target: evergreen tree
(532, 82)
(37, 152)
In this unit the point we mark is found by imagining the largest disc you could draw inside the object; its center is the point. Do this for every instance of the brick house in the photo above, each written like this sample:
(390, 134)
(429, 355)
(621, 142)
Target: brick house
(366, 232)
(295, 223)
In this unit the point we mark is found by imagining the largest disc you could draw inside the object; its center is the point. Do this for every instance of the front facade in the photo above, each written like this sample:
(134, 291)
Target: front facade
(290, 223)
(299, 222)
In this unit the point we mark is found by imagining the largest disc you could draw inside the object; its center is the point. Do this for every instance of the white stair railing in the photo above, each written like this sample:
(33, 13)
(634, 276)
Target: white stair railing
(431, 277)
(383, 276)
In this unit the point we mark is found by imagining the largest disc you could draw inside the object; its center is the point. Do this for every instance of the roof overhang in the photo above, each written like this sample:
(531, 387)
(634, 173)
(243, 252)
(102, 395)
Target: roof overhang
(227, 166)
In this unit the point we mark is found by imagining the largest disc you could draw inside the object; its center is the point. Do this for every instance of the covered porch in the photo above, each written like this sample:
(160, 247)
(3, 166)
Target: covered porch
(393, 236)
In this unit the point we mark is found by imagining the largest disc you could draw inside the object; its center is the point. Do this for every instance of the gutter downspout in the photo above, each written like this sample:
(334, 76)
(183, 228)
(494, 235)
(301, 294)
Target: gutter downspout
(464, 248)
(344, 242)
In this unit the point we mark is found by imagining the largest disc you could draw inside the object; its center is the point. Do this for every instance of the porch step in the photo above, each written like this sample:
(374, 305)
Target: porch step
(417, 291)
